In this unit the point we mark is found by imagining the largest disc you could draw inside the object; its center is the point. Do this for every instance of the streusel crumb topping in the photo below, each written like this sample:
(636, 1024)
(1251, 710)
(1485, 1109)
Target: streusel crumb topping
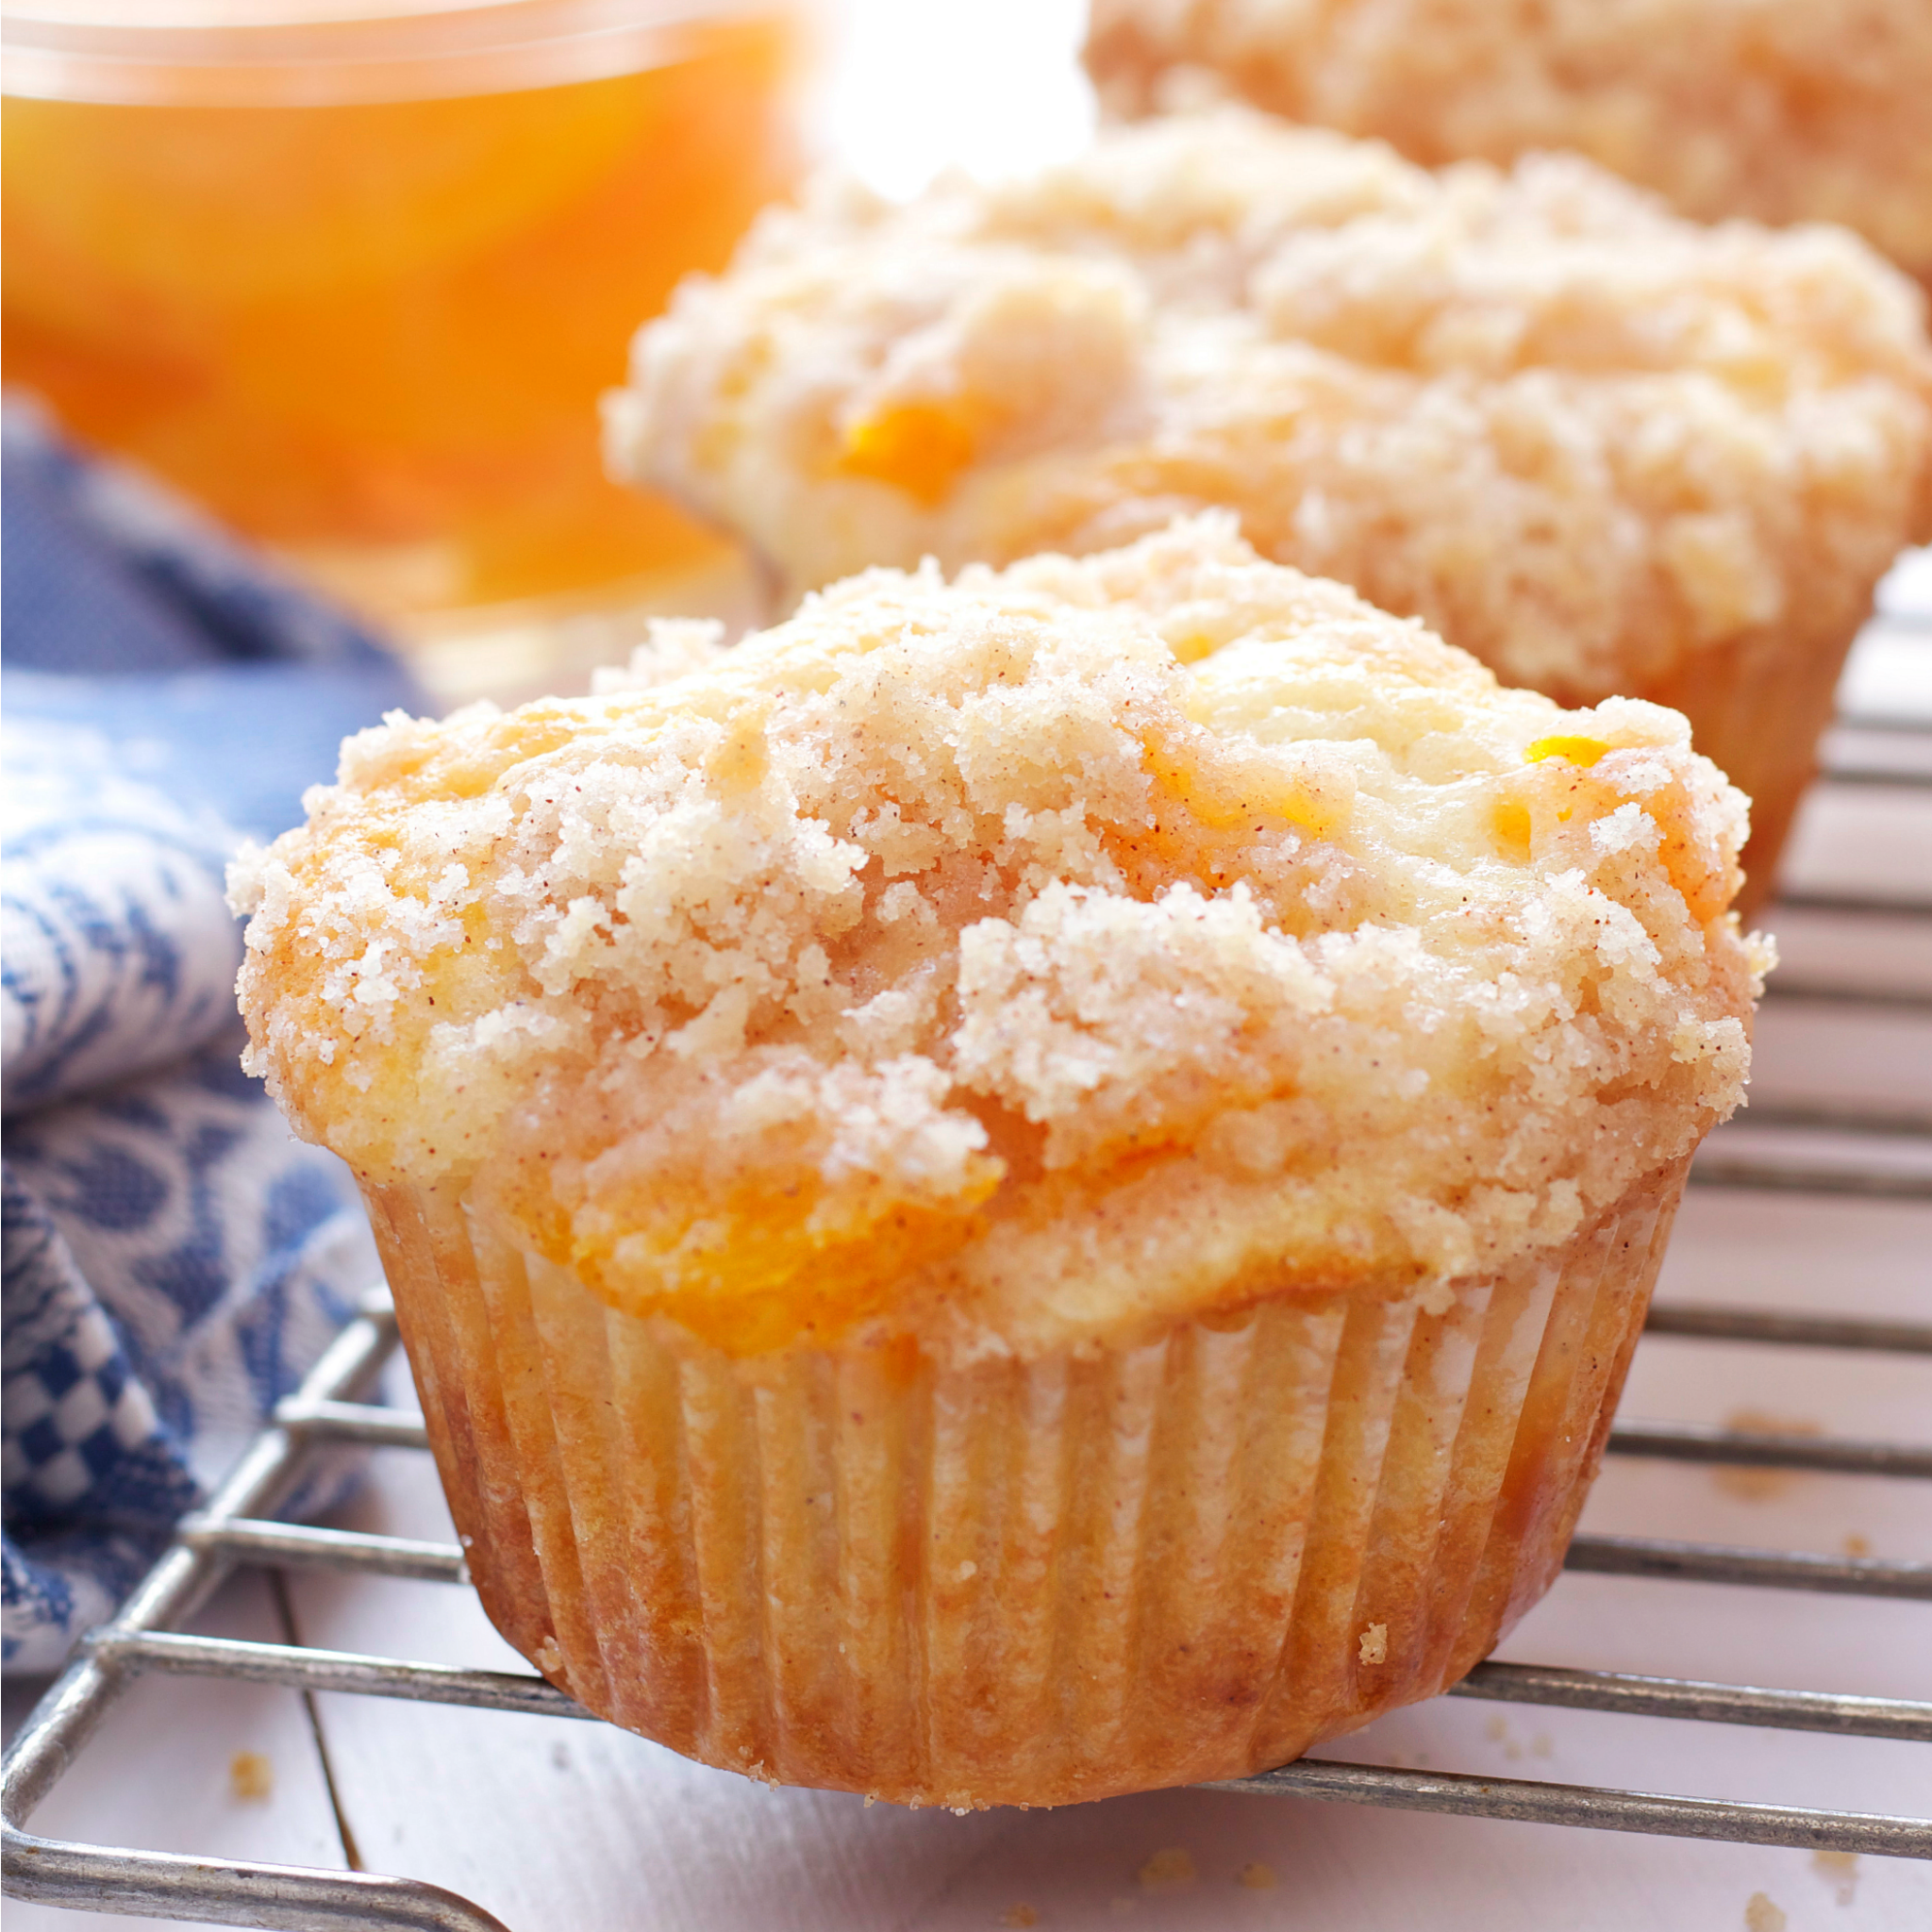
(1785, 110)
(1062, 947)
(1578, 435)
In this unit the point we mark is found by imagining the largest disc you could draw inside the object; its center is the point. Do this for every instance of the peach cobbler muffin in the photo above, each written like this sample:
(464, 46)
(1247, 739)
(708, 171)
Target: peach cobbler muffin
(1023, 1188)
(1783, 110)
(1602, 448)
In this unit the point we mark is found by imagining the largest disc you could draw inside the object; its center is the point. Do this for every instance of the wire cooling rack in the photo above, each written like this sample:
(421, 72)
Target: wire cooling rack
(1821, 1149)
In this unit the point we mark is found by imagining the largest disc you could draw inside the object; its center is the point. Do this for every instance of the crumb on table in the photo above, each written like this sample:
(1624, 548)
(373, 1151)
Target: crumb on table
(250, 1779)
(1840, 1870)
(1173, 1866)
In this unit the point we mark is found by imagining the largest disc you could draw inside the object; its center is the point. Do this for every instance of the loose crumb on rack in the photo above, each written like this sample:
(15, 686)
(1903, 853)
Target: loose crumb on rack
(1858, 1543)
(250, 1779)
(1749, 1485)
(1256, 1877)
(1840, 1870)
(1168, 1869)
(1021, 1914)
(1760, 1915)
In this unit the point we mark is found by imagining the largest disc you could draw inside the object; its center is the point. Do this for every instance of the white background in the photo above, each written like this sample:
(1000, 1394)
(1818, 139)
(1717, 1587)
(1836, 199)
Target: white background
(991, 86)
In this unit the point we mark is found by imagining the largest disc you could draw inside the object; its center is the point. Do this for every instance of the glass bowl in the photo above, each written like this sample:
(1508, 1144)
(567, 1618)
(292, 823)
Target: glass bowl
(356, 279)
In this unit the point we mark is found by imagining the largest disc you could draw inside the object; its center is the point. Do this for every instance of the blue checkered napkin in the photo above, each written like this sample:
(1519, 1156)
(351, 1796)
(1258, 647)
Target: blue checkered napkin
(174, 1260)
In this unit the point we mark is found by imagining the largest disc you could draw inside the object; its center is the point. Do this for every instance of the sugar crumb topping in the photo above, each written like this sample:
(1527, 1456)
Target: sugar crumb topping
(1068, 946)
(1784, 110)
(1581, 437)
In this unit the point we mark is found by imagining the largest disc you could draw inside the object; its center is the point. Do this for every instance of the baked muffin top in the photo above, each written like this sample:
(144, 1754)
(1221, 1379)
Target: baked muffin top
(1784, 110)
(1580, 436)
(1016, 960)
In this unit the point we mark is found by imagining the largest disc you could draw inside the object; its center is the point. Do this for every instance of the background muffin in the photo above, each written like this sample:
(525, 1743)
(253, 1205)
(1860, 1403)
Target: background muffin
(1783, 110)
(1603, 449)
(1021, 1190)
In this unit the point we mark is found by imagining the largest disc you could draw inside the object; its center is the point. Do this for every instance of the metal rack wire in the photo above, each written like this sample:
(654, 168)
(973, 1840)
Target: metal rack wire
(1815, 1150)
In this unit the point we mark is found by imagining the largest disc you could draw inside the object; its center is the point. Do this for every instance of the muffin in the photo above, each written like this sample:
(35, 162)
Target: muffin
(1605, 450)
(1782, 111)
(1021, 1190)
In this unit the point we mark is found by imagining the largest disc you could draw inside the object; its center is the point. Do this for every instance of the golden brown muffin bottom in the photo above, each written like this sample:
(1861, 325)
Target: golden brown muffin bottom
(1188, 1556)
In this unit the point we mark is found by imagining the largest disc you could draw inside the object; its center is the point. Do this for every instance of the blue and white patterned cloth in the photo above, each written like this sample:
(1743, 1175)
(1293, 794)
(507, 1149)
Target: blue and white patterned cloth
(174, 1260)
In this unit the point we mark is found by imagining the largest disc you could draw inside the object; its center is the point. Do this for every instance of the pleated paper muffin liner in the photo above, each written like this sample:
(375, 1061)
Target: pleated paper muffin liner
(1188, 1556)
(1758, 708)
